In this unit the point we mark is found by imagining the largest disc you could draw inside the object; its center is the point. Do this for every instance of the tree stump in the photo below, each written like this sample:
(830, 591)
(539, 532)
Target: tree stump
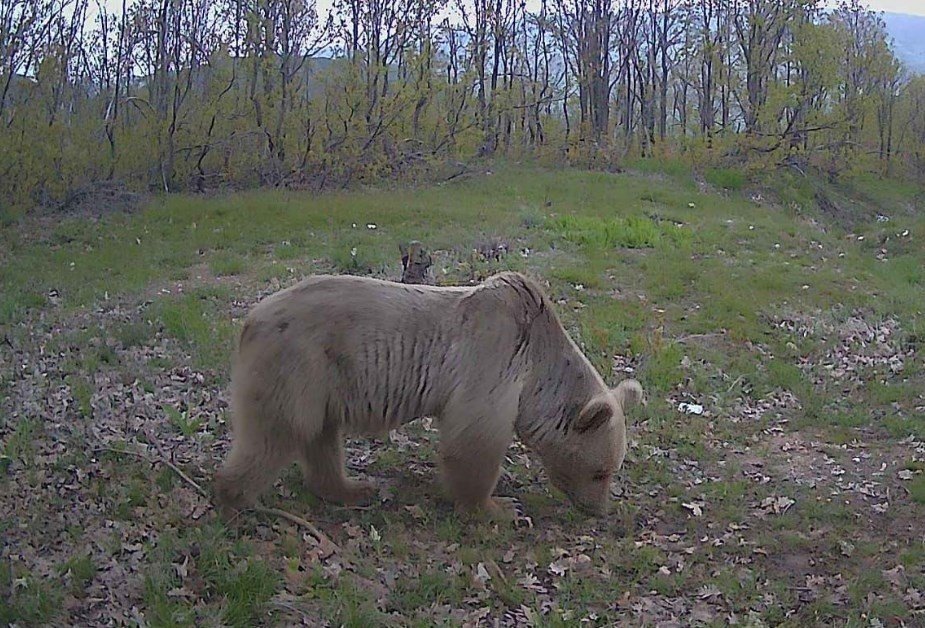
(415, 261)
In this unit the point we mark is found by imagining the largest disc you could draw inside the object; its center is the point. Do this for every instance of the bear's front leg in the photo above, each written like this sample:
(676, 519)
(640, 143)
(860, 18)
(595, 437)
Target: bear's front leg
(471, 462)
(471, 482)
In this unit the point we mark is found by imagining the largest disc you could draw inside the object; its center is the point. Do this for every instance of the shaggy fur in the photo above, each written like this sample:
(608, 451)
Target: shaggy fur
(338, 356)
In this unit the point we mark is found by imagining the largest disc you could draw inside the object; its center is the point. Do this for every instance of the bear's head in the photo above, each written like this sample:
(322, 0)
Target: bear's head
(582, 463)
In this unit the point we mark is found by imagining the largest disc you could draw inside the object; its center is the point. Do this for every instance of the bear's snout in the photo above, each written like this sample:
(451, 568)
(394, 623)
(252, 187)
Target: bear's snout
(592, 498)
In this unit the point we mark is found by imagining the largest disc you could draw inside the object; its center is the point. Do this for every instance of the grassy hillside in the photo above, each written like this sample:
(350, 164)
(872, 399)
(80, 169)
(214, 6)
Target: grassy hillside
(793, 315)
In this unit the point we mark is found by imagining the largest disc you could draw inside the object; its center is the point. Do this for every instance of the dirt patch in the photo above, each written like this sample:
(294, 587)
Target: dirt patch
(832, 210)
(856, 345)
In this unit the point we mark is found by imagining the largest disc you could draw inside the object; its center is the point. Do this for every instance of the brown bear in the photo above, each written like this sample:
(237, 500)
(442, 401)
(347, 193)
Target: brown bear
(342, 355)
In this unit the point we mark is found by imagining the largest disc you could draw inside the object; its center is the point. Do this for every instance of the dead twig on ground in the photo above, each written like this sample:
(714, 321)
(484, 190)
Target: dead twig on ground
(198, 488)
(734, 383)
(320, 536)
(707, 336)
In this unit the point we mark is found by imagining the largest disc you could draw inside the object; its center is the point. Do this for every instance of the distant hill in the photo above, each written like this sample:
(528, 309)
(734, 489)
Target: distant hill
(908, 33)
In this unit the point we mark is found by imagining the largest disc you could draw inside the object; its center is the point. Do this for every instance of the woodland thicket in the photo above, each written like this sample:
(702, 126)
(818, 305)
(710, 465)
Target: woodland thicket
(203, 94)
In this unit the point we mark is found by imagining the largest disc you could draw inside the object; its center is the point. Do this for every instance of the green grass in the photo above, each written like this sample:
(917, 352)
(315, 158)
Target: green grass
(674, 168)
(579, 277)
(663, 366)
(632, 232)
(134, 334)
(245, 587)
(20, 444)
(224, 263)
(160, 579)
(422, 590)
(80, 571)
(181, 419)
(82, 392)
(196, 321)
(726, 178)
(33, 602)
(917, 489)
(900, 426)
(238, 585)
(611, 330)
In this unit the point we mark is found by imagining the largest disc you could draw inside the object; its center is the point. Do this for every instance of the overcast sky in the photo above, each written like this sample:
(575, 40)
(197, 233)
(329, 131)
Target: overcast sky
(915, 7)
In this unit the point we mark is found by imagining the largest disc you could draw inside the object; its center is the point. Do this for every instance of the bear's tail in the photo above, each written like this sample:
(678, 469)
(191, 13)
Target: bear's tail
(247, 336)
(247, 333)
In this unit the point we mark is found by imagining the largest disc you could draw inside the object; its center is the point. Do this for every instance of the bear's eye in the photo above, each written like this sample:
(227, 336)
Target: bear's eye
(601, 476)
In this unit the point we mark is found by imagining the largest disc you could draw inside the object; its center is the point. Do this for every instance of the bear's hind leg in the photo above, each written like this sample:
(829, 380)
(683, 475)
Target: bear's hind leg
(251, 467)
(325, 470)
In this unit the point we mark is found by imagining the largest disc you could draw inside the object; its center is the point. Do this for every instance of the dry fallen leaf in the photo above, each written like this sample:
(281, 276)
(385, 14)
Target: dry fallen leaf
(895, 576)
(709, 592)
(559, 567)
(847, 549)
(777, 505)
(415, 511)
(696, 508)
(181, 568)
(481, 575)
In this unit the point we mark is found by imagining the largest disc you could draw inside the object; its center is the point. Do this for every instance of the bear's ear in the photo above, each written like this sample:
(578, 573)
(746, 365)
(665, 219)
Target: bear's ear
(595, 414)
(629, 393)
